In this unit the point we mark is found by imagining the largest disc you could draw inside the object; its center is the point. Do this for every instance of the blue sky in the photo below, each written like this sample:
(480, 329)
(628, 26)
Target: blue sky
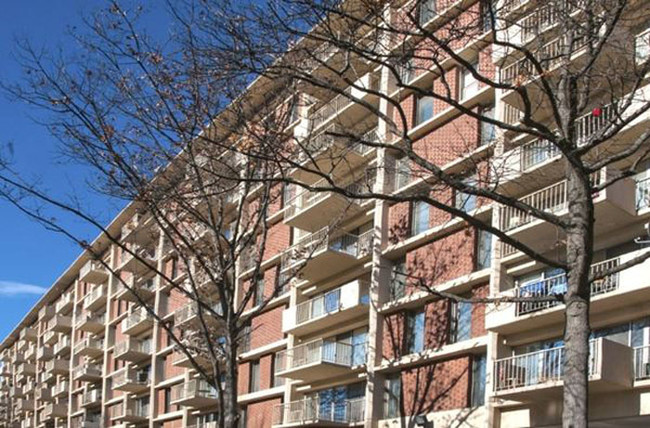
(31, 258)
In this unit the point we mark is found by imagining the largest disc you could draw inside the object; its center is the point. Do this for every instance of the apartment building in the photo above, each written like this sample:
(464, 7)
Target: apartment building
(353, 342)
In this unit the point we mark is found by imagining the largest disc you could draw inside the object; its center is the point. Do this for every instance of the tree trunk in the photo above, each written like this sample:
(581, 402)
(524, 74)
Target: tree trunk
(230, 407)
(577, 329)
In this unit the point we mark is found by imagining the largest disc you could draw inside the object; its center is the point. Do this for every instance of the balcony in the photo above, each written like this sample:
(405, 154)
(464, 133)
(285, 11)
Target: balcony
(181, 360)
(311, 211)
(30, 353)
(21, 345)
(27, 369)
(87, 373)
(16, 392)
(335, 307)
(613, 206)
(617, 291)
(90, 347)
(62, 347)
(137, 322)
(133, 350)
(24, 405)
(328, 148)
(194, 393)
(44, 353)
(93, 272)
(145, 289)
(188, 315)
(43, 394)
(538, 375)
(129, 411)
(140, 262)
(46, 312)
(311, 412)
(28, 387)
(50, 337)
(65, 303)
(60, 390)
(53, 410)
(91, 323)
(95, 299)
(28, 334)
(133, 230)
(319, 359)
(130, 380)
(91, 398)
(323, 254)
(60, 324)
(58, 367)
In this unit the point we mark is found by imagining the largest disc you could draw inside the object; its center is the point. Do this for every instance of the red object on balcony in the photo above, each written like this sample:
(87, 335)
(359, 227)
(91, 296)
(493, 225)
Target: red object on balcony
(597, 112)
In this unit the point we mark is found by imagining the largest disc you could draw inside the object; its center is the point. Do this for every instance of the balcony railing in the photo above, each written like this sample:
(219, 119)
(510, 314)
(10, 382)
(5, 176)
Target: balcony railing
(65, 303)
(139, 320)
(95, 298)
(642, 363)
(94, 272)
(91, 397)
(557, 285)
(86, 371)
(194, 388)
(130, 379)
(552, 199)
(321, 351)
(312, 410)
(306, 198)
(537, 152)
(60, 389)
(643, 193)
(89, 346)
(132, 346)
(354, 245)
(332, 301)
(537, 368)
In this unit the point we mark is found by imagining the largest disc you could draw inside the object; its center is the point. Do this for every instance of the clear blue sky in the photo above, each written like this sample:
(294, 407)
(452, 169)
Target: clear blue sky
(31, 258)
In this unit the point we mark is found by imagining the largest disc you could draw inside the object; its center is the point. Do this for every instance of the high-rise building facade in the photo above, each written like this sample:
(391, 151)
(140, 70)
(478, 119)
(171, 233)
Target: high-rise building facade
(353, 342)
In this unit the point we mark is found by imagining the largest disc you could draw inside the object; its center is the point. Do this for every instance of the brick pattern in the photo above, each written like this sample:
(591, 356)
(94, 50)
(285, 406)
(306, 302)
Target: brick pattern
(260, 414)
(267, 328)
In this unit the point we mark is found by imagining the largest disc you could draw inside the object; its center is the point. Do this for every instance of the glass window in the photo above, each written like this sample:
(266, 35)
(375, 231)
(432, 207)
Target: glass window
(398, 280)
(415, 332)
(464, 201)
(254, 380)
(420, 219)
(488, 130)
(426, 11)
(488, 15)
(406, 70)
(402, 172)
(643, 47)
(276, 380)
(168, 400)
(478, 381)
(460, 321)
(423, 109)
(468, 83)
(259, 291)
(393, 395)
(484, 250)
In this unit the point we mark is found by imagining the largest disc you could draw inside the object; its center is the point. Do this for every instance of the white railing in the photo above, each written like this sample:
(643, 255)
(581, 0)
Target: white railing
(130, 344)
(193, 388)
(64, 342)
(321, 351)
(191, 310)
(94, 295)
(88, 342)
(319, 306)
(552, 199)
(89, 317)
(129, 376)
(536, 152)
(66, 299)
(86, 370)
(310, 409)
(537, 368)
(91, 396)
(557, 285)
(642, 362)
(91, 265)
(643, 193)
(511, 115)
(60, 388)
(140, 315)
(327, 138)
(310, 245)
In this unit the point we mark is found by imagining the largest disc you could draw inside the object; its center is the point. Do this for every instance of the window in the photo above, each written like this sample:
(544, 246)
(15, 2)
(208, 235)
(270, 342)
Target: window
(426, 11)
(414, 332)
(460, 321)
(488, 130)
(402, 172)
(464, 201)
(398, 280)
(406, 70)
(478, 381)
(393, 395)
(294, 113)
(420, 217)
(245, 344)
(483, 250)
(468, 84)
(259, 292)
(168, 400)
(423, 109)
(488, 15)
(254, 380)
(144, 374)
(642, 47)
(142, 406)
(275, 380)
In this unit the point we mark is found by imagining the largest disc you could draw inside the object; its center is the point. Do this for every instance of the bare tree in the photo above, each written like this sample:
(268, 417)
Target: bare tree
(128, 106)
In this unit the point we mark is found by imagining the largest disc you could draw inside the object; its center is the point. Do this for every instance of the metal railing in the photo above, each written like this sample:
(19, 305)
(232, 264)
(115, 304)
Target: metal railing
(91, 396)
(321, 351)
(191, 310)
(642, 362)
(129, 376)
(557, 285)
(142, 346)
(536, 152)
(552, 199)
(327, 138)
(319, 306)
(90, 266)
(86, 369)
(512, 115)
(537, 368)
(94, 295)
(88, 317)
(66, 299)
(193, 388)
(135, 318)
(88, 342)
(311, 409)
(64, 342)
(643, 193)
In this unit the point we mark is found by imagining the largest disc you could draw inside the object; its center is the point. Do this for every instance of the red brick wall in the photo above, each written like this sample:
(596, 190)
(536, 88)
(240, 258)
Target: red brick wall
(436, 387)
(243, 378)
(267, 328)
(176, 423)
(277, 240)
(169, 370)
(478, 310)
(260, 414)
